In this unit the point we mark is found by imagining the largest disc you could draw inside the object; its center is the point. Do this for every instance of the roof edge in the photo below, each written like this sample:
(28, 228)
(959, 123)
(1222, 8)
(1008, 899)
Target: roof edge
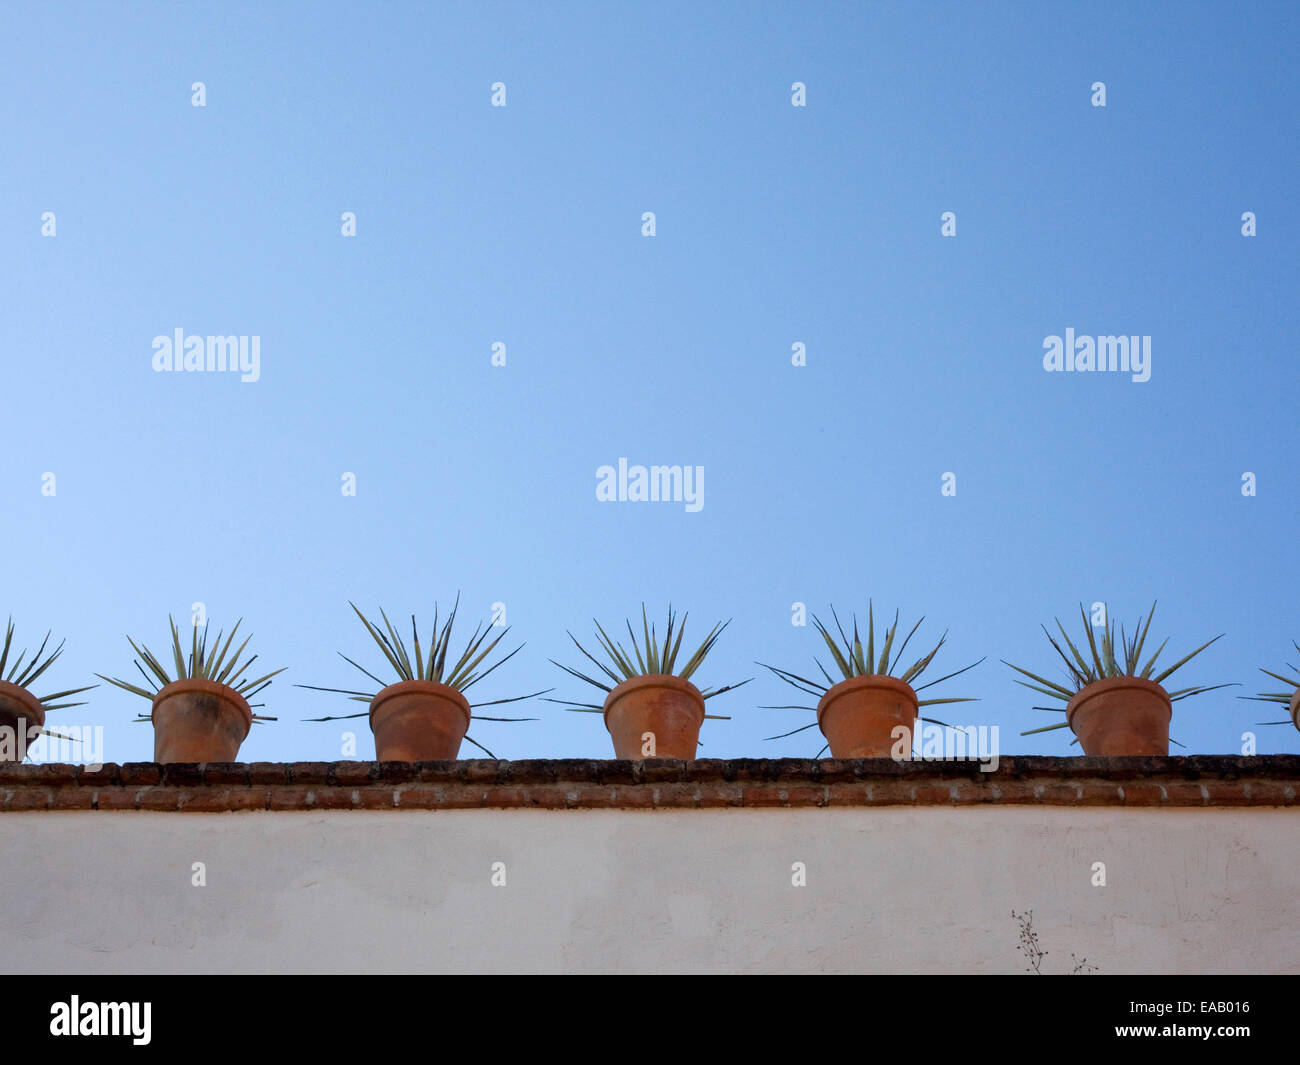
(573, 783)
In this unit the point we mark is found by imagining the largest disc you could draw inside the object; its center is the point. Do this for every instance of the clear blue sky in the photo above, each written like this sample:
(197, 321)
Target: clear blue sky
(775, 224)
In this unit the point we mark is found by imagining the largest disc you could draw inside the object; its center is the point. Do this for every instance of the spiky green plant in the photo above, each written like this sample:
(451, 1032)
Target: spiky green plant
(414, 664)
(216, 665)
(1282, 697)
(25, 677)
(650, 656)
(1102, 663)
(851, 660)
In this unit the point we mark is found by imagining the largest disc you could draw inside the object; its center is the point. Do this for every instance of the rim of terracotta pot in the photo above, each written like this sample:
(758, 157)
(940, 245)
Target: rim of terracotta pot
(872, 680)
(653, 680)
(205, 687)
(1295, 708)
(1110, 684)
(26, 699)
(422, 687)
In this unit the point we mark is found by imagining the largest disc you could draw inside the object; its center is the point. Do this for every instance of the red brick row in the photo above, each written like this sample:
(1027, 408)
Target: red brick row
(36, 792)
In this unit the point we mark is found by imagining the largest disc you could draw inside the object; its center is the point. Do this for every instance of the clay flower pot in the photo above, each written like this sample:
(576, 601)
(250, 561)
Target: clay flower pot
(197, 720)
(858, 717)
(23, 715)
(1121, 715)
(418, 721)
(667, 707)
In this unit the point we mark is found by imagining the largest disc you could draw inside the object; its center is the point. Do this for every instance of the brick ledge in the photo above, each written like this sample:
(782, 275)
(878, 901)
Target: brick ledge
(571, 783)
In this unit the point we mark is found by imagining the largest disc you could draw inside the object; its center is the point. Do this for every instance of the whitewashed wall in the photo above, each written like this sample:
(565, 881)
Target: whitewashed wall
(888, 890)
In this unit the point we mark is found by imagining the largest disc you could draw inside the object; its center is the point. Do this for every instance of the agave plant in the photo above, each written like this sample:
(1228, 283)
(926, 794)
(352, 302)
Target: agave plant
(650, 656)
(413, 664)
(1102, 663)
(1283, 697)
(216, 665)
(25, 677)
(851, 660)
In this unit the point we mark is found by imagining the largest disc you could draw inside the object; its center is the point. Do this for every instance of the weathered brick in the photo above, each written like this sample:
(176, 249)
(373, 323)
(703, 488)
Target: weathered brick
(806, 795)
(309, 772)
(223, 800)
(160, 798)
(549, 797)
(932, 794)
(1183, 793)
(114, 799)
(752, 770)
(181, 774)
(244, 799)
(765, 795)
(847, 794)
(72, 799)
(1057, 793)
(504, 796)
(894, 769)
(890, 793)
(136, 773)
(580, 769)
(529, 771)
(413, 796)
(93, 778)
(980, 788)
(351, 774)
(1096, 793)
(459, 798)
(1266, 793)
(269, 773)
(1228, 794)
(375, 798)
(706, 771)
(435, 772)
(1135, 793)
(721, 794)
(324, 797)
(29, 798)
(677, 795)
(292, 797)
(836, 771)
(636, 797)
(662, 770)
(54, 775)
(225, 773)
(617, 771)
(595, 796)
(798, 769)
(393, 773)
(478, 771)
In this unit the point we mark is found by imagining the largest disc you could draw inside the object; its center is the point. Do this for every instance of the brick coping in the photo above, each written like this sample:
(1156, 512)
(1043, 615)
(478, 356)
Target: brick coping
(572, 783)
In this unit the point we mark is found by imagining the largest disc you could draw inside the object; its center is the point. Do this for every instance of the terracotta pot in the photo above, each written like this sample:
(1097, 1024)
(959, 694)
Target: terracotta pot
(23, 715)
(418, 721)
(1121, 715)
(667, 707)
(196, 720)
(1295, 708)
(858, 717)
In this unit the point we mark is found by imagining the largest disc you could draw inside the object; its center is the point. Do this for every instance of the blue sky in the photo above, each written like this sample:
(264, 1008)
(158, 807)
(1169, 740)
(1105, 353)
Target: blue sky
(774, 225)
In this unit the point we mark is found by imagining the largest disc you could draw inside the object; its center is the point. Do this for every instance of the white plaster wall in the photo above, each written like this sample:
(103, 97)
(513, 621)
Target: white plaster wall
(889, 890)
